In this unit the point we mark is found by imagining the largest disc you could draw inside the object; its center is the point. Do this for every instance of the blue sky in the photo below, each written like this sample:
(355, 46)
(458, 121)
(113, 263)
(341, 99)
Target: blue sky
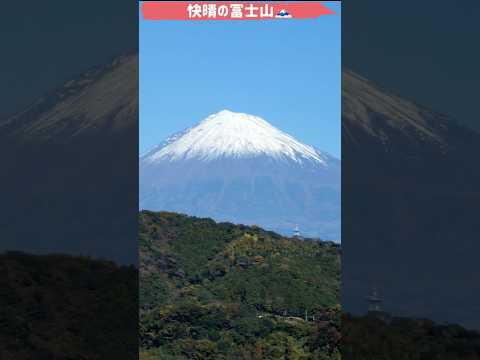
(288, 72)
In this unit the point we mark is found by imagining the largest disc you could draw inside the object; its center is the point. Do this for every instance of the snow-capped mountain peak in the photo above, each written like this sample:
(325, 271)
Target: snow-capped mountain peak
(232, 134)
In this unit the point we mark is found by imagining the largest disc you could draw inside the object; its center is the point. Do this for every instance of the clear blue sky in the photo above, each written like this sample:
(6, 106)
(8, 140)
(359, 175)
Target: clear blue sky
(288, 72)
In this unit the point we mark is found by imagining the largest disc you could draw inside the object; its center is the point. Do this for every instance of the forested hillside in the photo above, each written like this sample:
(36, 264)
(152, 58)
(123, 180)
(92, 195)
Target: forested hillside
(59, 307)
(224, 291)
(242, 293)
(369, 338)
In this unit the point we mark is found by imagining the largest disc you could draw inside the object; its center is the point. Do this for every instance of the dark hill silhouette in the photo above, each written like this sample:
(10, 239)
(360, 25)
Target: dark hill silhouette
(67, 307)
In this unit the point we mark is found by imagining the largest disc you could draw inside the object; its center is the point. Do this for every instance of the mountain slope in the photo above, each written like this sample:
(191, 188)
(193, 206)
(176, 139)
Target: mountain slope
(102, 99)
(69, 187)
(224, 290)
(237, 167)
(411, 180)
(386, 116)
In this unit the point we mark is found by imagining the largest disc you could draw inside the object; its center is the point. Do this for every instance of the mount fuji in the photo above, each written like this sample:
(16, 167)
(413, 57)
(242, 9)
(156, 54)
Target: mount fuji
(411, 181)
(67, 163)
(237, 167)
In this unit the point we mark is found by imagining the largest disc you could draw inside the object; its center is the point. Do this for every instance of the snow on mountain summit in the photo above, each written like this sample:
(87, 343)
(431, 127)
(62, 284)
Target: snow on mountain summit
(239, 168)
(232, 134)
